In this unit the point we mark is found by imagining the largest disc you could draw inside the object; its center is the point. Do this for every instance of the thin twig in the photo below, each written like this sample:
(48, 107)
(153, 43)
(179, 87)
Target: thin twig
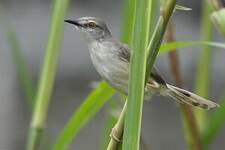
(186, 110)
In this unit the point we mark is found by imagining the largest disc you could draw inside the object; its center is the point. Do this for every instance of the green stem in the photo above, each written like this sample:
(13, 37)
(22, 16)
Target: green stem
(145, 59)
(131, 138)
(128, 22)
(218, 117)
(117, 130)
(158, 33)
(203, 72)
(48, 75)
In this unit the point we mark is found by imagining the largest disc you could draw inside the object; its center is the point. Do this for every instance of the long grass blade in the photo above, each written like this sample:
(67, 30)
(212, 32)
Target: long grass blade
(48, 75)
(218, 117)
(137, 81)
(167, 47)
(131, 138)
(22, 68)
(128, 22)
(86, 111)
(157, 37)
(203, 79)
(126, 37)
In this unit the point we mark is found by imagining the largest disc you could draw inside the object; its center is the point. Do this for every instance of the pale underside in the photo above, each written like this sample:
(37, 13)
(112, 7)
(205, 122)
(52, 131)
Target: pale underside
(112, 63)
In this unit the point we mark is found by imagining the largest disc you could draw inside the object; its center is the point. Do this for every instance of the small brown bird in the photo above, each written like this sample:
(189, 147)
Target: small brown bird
(111, 59)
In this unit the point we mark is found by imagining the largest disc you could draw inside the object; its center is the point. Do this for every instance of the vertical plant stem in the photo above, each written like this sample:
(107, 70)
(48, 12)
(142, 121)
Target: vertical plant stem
(128, 21)
(217, 120)
(157, 37)
(137, 75)
(191, 131)
(139, 61)
(117, 131)
(48, 75)
(204, 66)
(127, 37)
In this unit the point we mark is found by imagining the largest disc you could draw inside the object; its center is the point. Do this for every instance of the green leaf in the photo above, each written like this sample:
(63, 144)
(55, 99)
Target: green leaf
(143, 56)
(167, 47)
(22, 68)
(131, 138)
(157, 37)
(202, 81)
(85, 112)
(48, 74)
(214, 125)
(128, 22)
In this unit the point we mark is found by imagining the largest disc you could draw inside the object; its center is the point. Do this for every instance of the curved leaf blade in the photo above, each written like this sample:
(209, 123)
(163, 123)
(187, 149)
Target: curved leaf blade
(93, 103)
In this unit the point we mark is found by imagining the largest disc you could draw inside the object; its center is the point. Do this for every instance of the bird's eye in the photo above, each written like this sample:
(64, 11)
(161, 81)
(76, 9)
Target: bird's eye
(91, 24)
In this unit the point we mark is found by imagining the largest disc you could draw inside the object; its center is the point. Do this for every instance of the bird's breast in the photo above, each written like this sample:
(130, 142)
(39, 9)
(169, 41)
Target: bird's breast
(109, 65)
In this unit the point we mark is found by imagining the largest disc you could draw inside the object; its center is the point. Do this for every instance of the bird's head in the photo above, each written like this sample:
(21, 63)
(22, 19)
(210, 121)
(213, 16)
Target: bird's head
(92, 27)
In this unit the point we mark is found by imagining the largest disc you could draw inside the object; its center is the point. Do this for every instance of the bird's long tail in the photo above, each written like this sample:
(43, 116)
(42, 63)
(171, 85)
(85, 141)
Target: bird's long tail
(186, 97)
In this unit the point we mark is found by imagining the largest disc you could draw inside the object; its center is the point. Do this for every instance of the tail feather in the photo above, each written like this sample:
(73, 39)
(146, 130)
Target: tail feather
(186, 97)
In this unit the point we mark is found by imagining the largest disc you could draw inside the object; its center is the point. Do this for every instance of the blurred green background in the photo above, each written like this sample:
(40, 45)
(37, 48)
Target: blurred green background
(162, 127)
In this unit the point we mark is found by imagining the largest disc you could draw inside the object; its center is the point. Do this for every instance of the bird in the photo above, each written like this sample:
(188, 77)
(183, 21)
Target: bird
(111, 59)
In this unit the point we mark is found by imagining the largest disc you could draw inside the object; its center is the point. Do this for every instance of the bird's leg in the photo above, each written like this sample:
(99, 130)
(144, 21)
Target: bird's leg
(153, 84)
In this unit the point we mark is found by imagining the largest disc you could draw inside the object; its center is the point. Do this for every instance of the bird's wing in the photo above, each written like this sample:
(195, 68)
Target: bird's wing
(122, 50)
(124, 53)
(154, 75)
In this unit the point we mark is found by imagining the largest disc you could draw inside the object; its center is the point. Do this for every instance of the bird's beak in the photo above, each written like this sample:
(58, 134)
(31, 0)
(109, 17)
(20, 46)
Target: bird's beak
(74, 22)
